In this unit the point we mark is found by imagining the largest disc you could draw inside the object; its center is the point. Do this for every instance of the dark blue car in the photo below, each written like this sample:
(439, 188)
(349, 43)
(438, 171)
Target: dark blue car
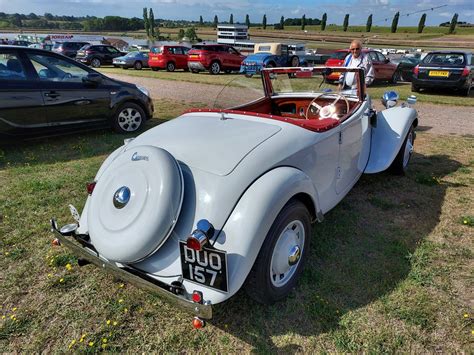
(269, 55)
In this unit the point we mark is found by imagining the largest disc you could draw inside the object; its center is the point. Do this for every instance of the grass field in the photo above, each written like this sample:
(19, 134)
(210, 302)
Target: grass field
(389, 270)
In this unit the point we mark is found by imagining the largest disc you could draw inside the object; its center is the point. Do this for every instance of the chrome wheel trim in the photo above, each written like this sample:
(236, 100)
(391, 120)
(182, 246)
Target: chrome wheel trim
(292, 237)
(215, 68)
(170, 67)
(95, 63)
(408, 149)
(129, 119)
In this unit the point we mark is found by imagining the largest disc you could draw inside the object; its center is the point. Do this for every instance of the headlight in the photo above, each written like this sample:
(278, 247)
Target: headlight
(143, 90)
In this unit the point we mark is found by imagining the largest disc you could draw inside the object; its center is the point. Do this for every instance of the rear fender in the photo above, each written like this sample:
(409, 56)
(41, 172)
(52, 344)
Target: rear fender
(388, 136)
(244, 232)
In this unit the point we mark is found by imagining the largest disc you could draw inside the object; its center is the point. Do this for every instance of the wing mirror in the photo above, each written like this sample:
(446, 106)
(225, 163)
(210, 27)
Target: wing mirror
(92, 78)
(390, 98)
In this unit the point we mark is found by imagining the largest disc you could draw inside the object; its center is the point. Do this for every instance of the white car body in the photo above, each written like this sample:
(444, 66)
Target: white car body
(239, 169)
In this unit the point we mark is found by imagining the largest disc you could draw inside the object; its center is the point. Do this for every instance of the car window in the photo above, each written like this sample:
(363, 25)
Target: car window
(444, 58)
(381, 57)
(112, 49)
(178, 50)
(233, 51)
(373, 56)
(157, 50)
(11, 67)
(185, 50)
(52, 68)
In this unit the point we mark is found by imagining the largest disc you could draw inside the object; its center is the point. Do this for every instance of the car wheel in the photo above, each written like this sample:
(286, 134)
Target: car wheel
(124, 67)
(154, 69)
(215, 68)
(270, 65)
(95, 62)
(295, 62)
(194, 71)
(281, 258)
(395, 77)
(248, 75)
(415, 88)
(467, 91)
(129, 118)
(400, 164)
(170, 66)
(138, 65)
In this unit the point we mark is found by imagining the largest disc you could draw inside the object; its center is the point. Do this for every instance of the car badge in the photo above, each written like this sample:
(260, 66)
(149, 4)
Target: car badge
(136, 157)
(121, 197)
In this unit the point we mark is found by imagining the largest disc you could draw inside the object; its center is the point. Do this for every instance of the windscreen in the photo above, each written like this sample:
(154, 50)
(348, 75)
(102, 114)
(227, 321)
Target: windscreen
(444, 58)
(238, 91)
(338, 55)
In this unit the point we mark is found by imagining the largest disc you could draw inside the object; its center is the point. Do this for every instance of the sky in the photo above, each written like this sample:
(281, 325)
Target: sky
(359, 10)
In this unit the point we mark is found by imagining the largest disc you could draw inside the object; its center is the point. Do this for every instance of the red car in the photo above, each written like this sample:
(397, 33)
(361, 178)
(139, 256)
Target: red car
(384, 70)
(169, 58)
(214, 58)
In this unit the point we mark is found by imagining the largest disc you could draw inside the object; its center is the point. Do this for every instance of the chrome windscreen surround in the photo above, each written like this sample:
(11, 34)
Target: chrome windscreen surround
(200, 310)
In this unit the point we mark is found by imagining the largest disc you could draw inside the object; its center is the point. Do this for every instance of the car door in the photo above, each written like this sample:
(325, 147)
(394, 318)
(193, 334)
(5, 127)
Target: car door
(235, 57)
(21, 102)
(111, 54)
(377, 65)
(354, 148)
(180, 57)
(387, 67)
(68, 100)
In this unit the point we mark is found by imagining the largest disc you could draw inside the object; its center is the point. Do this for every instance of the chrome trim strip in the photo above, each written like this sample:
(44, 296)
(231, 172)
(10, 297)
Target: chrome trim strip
(200, 310)
(48, 124)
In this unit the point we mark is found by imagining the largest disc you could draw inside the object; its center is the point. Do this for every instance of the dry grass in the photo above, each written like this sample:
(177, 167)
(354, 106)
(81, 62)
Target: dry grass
(390, 269)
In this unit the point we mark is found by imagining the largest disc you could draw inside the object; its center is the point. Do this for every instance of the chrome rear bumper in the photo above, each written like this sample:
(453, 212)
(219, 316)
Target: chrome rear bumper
(137, 278)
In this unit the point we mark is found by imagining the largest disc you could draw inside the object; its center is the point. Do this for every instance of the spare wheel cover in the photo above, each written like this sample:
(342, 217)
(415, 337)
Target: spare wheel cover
(135, 204)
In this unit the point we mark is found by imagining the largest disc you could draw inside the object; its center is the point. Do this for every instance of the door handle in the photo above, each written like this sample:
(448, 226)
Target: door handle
(52, 94)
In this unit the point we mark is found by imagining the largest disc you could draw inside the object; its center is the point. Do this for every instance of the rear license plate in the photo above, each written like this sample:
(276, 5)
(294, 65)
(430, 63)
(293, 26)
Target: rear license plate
(207, 267)
(444, 74)
(193, 56)
(336, 73)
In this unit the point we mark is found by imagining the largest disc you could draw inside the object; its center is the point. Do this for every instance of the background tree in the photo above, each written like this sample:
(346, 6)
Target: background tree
(303, 22)
(216, 21)
(231, 19)
(264, 22)
(395, 22)
(346, 23)
(201, 21)
(282, 23)
(421, 24)
(323, 21)
(180, 34)
(151, 20)
(145, 21)
(247, 20)
(191, 34)
(368, 26)
(453, 24)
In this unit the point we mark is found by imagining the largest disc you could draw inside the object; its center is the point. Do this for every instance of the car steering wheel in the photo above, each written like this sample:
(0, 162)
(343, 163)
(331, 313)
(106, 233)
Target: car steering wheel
(328, 111)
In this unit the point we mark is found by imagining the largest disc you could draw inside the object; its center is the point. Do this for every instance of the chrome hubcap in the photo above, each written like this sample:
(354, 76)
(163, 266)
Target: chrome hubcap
(129, 119)
(121, 197)
(215, 68)
(287, 253)
(408, 150)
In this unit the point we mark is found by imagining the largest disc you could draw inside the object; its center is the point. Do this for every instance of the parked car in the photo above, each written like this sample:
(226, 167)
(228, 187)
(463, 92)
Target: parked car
(98, 55)
(169, 58)
(135, 59)
(405, 66)
(214, 58)
(69, 49)
(170, 213)
(445, 69)
(43, 93)
(45, 46)
(20, 43)
(269, 55)
(384, 69)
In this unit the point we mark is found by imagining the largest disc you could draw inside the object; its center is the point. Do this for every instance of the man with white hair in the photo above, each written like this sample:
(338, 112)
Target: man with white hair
(356, 59)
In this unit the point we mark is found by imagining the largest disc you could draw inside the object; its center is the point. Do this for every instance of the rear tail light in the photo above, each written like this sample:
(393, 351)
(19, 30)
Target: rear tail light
(198, 323)
(89, 51)
(197, 297)
(90, 187)
(200, 236)
(465, 71)
(416, 70)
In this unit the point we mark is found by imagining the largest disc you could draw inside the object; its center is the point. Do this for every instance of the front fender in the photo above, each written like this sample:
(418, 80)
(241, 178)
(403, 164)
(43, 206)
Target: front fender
(244, 232)
(388, 136)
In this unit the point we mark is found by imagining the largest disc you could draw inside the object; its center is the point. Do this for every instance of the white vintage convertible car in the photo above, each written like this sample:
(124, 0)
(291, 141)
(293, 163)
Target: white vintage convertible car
(219, 199)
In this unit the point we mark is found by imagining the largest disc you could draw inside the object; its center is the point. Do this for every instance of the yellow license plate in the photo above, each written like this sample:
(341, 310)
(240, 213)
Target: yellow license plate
(194, 56)
(336, 73)
(444, 74)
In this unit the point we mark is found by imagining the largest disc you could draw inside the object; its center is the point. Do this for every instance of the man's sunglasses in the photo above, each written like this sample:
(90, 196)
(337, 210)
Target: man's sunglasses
(355, 49)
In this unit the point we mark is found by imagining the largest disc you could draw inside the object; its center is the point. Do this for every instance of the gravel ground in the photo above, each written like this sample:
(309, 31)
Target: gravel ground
(437, 119)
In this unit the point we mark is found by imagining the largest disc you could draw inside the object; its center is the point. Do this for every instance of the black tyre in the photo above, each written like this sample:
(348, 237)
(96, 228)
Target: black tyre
(215, 68)
(282, 256)
(124, 68)
(96, 63)
(248, 75)
(295, 62)
(194, 71)
(395, 77)
(154, 68)
(170, 66)
(138, 65)
(467, 91)
(129, 118)
(400, 164)
(414, 88)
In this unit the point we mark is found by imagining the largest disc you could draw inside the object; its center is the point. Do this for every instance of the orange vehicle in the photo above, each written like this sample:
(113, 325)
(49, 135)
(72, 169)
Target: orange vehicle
(169, 58)
(384, 69)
